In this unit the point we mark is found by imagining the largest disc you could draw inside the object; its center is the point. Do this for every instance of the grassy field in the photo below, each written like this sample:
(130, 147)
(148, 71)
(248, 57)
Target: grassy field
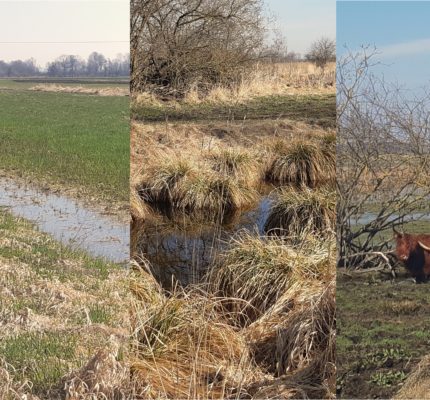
(59, 309)
(75, 141)
(383, 329)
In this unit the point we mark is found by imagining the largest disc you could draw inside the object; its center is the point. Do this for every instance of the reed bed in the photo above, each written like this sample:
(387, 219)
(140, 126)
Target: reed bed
(301, 164)
(296, 212)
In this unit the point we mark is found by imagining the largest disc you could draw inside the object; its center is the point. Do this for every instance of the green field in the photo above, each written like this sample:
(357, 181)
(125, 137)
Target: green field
(312, 109)
(73, 140)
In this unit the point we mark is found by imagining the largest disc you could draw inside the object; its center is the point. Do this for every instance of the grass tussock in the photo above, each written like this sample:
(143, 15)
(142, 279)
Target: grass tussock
(139, 209)
(295, 341)
(295, 212)
(181, 185)
(238, 164)
(301, 164)
(417, 385)
(183, 347)
(257, 272)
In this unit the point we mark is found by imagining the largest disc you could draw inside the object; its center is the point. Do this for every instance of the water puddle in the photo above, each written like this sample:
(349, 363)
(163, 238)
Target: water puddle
(368, 217)
(184, 250)
(67, 221)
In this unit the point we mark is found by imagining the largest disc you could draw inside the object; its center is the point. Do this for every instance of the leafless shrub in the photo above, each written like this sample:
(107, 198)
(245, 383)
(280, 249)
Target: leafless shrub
(176, 43)
(382, 157)
(322, 52)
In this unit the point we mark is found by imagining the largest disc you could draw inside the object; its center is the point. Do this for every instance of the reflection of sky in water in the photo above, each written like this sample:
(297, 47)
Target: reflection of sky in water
(67, 221)
(186, 253)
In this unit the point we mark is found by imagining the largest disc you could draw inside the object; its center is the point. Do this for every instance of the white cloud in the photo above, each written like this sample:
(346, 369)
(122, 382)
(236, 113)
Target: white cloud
(421, 46)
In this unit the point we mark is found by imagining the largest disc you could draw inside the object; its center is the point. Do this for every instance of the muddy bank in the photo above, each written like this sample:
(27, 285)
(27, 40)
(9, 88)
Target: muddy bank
(67, 220)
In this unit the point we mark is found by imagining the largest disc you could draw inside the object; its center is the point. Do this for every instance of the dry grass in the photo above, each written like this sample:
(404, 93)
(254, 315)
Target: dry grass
(264, 80)
(301, 164)
(184, 348)
(240, 164)
(296, 212)
(257, 272)
(206, 189)
(50, 297)
(417, 385)
(187, 343)
(108, 91)
(295, 340)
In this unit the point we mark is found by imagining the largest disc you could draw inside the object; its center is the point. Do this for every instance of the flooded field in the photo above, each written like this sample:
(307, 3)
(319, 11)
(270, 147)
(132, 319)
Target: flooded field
(67, 221)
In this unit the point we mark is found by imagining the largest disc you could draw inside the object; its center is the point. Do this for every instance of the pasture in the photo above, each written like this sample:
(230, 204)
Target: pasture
(215, 176)
(383, 328)
(76, 142)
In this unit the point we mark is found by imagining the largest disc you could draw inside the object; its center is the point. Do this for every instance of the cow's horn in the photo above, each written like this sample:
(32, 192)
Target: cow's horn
(397, 232)
(424, 246)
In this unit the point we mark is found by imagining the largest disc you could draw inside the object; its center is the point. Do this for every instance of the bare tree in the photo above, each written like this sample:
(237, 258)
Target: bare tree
(175, 43)
(382, 159)
(322, 51)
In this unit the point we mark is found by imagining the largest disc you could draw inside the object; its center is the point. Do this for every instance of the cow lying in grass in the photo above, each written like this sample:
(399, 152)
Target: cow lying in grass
(414, 252)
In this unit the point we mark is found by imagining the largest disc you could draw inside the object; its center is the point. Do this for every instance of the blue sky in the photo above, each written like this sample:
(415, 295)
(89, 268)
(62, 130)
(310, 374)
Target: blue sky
(400, 30)
(303, 21)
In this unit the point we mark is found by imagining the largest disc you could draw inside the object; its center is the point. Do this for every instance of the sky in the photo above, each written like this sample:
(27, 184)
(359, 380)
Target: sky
(62, 21)
(301, 22)
(400, 30)
(304, 21)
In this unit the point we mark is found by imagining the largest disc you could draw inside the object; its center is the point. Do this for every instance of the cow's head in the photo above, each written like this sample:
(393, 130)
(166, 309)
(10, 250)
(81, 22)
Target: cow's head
(403, 249)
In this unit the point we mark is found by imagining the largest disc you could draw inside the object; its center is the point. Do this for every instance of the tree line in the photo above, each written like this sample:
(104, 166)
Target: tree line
(96, 65)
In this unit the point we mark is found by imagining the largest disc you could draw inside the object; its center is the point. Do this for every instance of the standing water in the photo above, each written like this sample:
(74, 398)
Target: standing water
(68, 221)
(182, 249)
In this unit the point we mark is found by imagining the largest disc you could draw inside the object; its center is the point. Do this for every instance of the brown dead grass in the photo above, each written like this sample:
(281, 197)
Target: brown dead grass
(417, 385)
(108, 91)
(264, 80)
(60, 297)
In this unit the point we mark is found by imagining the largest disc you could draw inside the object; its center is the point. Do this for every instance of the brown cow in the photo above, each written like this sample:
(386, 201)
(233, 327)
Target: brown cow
(414, 252)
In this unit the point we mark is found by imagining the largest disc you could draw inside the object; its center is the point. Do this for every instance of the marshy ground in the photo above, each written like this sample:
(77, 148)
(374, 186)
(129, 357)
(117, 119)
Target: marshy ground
(229, 301)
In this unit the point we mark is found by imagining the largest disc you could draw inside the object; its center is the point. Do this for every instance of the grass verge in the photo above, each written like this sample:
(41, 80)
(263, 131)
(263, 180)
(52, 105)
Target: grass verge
(58, 309)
